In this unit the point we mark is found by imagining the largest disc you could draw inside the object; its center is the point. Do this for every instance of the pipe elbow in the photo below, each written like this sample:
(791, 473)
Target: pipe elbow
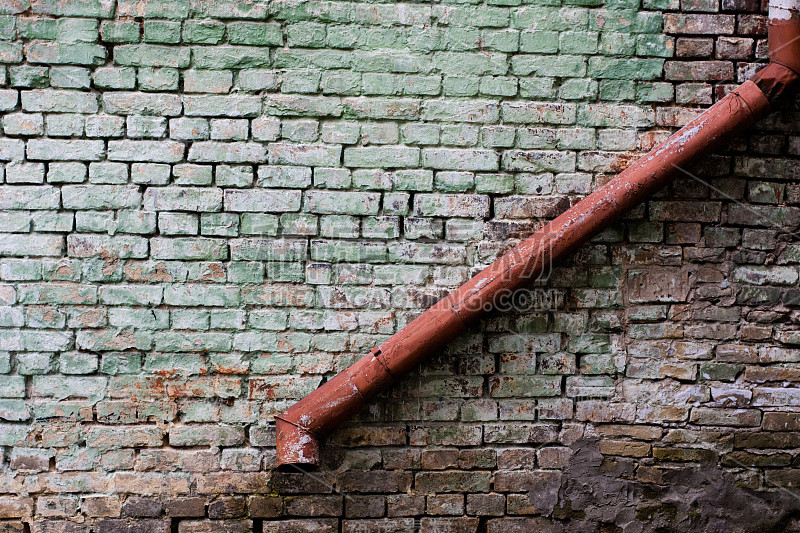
(296, 447)
(779, 79)
(778, 83)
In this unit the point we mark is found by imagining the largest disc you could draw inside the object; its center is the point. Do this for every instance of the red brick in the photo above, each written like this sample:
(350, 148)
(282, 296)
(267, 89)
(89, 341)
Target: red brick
(694, 47)
(699, 24)
(314, 505)
(624, 448)
(684, 454)
(449, 525)
(698, 70)
(361, 506)
(734, 48)
(525, 480)
(326, 525)
(452, 481)
(373, 481)
(523, 525)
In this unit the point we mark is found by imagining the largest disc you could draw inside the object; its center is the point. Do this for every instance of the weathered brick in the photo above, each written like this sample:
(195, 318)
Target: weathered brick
(699, 24)
(229, 57)
(29, 197)
(213, 435)
(130, 295)
(201, 295)
(457, 159)
(382, 157)
(454, 111)
(15, 507)
(193, 248)
(726, 417)
(221, 152)
(426, 253)
(260, 200)
(59, 150)
(100, 196)
(268, 249)
(155, 151)
(23, 124)
(114, 78)
(65, 53)
(226, 106)
(699, 70)
(451, 205)
(330, 202)
(123, 246)
(538, 161)
(317, 525)
(11, 149)
(132, 103)
(54, 101)
(64, 387)
(151, 55)
(190, 199)
(452, 481)
(539, 113)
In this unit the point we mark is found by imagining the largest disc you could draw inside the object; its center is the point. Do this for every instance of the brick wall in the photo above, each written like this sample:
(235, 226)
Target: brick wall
(208, 207)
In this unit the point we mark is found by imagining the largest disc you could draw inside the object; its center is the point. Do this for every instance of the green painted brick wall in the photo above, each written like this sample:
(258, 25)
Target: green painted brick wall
(209, 207)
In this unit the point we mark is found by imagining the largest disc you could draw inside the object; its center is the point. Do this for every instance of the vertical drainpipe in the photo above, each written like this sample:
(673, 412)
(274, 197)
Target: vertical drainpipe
(300, 428)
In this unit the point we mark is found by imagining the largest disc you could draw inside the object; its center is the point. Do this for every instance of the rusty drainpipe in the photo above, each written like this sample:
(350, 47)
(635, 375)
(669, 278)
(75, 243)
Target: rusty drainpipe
(300, 428)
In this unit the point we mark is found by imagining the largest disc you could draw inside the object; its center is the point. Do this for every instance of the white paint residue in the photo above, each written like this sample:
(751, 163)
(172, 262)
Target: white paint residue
(778, 13)
(687, 134)
(302, 442)
(782, 9)
(481, 283)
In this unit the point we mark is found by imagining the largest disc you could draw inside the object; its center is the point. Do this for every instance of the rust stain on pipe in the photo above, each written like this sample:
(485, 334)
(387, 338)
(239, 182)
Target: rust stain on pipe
(300, 427)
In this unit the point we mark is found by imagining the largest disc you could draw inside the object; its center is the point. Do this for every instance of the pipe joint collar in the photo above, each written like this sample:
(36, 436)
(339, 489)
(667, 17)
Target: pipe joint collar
(777, 82)
(296, 446)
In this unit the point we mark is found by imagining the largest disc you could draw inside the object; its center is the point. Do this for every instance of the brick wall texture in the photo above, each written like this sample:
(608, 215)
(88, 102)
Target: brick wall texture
(209, 207)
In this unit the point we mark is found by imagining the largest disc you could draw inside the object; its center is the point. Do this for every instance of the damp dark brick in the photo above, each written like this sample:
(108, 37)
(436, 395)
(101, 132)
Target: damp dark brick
(374, 481)
(445, 504)
(314, 505)
(756, 460)
(460, 524)
(298, 483)
(522, 525)
(265, 506)
(684, 454)
(185, 507)
(215, 526)
(453, 481)
(404, 505)
(694, 47)
(142, 507)
(227, 507)
(486, 504)
(439, 459)
(741, 5)
(364, 506)
(317, 525)
(133, 526)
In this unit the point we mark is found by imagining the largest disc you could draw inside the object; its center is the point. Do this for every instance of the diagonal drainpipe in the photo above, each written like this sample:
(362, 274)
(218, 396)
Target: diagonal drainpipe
(300, 428)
